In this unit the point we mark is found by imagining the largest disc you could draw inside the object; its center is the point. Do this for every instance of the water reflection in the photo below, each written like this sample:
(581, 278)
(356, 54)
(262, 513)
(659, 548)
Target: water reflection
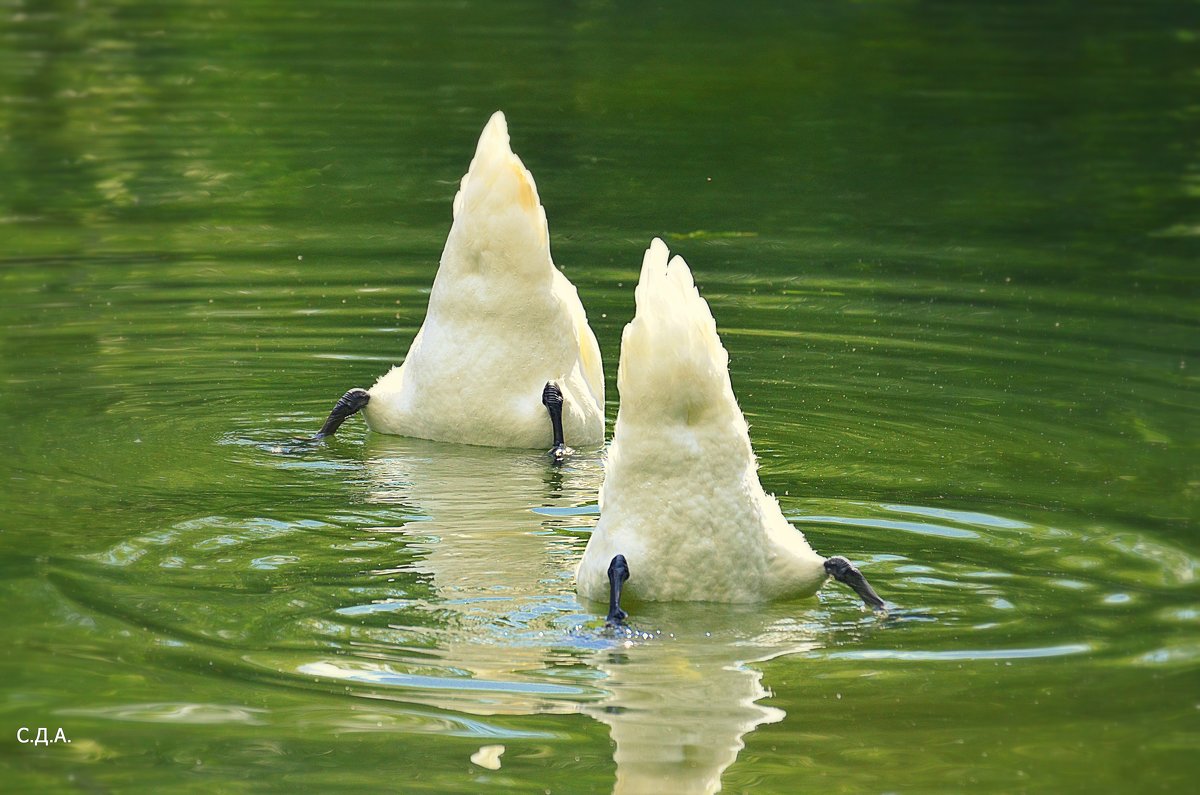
(500, 575)
(678, 703)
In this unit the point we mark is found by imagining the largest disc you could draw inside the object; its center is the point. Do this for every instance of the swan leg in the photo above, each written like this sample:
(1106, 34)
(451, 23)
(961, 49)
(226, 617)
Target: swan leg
(347, 406)
(845, 572)
(552, 399)
(618, 573)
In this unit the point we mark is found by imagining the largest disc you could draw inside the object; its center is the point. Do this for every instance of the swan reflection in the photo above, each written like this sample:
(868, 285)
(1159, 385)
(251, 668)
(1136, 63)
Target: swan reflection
(680, 704)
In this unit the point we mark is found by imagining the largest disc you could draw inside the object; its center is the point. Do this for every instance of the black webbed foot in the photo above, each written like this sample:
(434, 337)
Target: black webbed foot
(618, 573)
(347, 406)
(552, 399)
(844, 572)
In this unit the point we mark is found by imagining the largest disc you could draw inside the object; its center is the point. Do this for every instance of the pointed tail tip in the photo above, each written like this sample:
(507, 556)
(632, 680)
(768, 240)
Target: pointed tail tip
(662, 269)
(495, 132)
(494, 156)
(654, 261)
(672, 311)
(497, 120)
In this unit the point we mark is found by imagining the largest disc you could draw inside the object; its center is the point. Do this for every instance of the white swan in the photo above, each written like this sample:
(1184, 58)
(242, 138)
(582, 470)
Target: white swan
(505, 337)
(682, 513)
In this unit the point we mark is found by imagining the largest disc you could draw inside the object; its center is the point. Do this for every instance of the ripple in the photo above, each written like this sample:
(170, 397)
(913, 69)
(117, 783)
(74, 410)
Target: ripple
(916, 655)
(272, 562)
(383, 675)
(409, 721)
(184, 540)
(582, 510)
(921, 528)
(175, 712)
(386, 606)
(1185, 653)
(964, 517)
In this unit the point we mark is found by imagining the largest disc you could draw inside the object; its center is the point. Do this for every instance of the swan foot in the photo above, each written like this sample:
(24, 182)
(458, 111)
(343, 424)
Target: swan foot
(347, 406)
(552, 399)
(845, 572)
(618, 573)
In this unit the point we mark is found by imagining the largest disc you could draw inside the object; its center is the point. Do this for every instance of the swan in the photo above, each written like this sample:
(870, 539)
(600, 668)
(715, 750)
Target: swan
(683, 515)
(505, 340)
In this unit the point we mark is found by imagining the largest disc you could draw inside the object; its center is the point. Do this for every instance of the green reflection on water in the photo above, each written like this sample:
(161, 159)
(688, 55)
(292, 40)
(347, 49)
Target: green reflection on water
(951, 250)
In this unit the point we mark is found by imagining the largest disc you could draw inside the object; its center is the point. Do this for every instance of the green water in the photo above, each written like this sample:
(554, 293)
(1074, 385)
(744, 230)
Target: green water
(951, 248)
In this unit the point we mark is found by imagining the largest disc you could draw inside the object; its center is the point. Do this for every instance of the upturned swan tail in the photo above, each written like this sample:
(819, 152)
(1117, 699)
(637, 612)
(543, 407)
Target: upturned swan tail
(497, 208)
(673, 366)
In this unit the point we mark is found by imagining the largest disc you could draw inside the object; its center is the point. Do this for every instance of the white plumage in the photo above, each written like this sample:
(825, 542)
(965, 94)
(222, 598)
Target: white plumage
(681, 498)
(502, 322)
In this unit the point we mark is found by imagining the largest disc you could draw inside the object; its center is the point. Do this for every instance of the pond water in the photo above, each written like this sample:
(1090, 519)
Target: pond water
(951, 248)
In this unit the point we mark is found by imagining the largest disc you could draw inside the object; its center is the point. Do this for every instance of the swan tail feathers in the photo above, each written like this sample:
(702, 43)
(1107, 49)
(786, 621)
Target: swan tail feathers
(671, 354)
(498, 199)
(589, 359)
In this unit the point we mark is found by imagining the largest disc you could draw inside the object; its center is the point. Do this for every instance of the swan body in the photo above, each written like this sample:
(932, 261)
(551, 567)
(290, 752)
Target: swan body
(502, 323)
(681, 499)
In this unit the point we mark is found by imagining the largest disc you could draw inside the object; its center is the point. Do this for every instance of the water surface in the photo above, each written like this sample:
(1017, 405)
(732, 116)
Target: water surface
(951, 250)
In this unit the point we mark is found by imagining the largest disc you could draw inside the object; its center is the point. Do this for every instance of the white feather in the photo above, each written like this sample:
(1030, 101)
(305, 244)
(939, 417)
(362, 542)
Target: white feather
(681, 498)
(502, 321)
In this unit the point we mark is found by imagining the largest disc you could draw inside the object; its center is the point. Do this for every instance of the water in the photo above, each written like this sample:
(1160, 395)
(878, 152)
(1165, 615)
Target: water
(951, 250)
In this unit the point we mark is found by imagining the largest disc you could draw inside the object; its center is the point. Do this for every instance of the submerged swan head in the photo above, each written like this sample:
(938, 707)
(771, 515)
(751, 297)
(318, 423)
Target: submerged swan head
(504, 331)
(681, 505)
